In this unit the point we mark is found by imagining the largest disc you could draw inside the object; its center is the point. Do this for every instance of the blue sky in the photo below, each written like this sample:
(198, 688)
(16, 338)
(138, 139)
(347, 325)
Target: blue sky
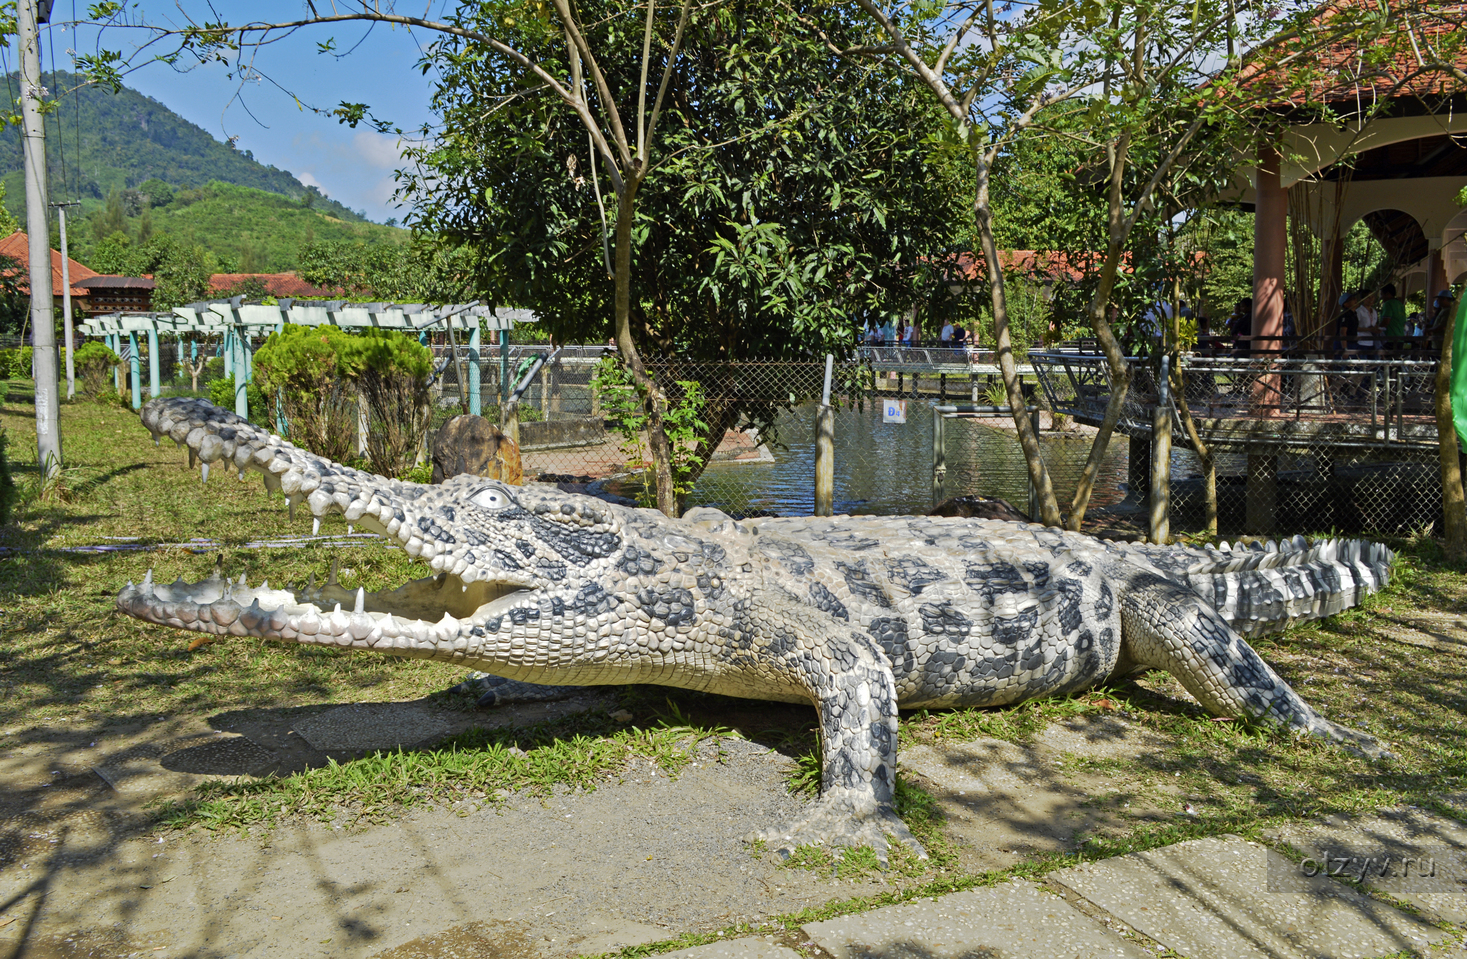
(353, 166)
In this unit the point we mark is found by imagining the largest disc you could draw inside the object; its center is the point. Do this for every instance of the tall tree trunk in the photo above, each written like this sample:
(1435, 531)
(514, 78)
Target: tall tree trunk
(1115, 360)
(657, 442)
(1003, 346)
(1454, 505)
(1205, 454)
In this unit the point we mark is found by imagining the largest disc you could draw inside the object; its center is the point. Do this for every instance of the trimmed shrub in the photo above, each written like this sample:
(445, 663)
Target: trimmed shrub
(392, 371)
(304, 371)
(94, 363)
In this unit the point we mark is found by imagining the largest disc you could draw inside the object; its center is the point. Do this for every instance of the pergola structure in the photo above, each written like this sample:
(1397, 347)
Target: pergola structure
(238, 322)
(1397, 160)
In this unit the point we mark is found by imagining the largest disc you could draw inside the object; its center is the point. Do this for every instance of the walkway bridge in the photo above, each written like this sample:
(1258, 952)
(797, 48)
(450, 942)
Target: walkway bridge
(1303, 443)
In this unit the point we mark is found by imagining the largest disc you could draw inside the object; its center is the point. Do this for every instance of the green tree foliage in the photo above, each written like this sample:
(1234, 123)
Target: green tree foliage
(789, 199)
(304, 372)
(94, 363)
(792, 196)
(425, 273)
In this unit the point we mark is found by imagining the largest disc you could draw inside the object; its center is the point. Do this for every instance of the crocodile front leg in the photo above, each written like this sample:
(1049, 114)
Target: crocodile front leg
(850, 681)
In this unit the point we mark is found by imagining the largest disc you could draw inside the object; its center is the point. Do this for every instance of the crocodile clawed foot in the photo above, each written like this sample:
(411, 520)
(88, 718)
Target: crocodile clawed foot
(843, 818)
(1352, 740)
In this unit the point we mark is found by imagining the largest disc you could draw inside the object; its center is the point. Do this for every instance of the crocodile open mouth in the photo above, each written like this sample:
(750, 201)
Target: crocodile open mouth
(419, 615)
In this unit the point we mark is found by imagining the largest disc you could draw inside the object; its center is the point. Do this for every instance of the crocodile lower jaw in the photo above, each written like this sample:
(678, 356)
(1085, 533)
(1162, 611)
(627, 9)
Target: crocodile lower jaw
(421, 613)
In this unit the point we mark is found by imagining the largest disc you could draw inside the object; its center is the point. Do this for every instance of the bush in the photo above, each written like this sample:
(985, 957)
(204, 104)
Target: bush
(94, 363)
(9, 494)
(221, 393)
(16, 363)
(305, 373)
(392, 370)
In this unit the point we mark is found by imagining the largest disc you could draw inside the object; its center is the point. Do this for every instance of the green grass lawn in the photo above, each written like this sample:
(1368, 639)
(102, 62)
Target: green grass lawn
(68, 655)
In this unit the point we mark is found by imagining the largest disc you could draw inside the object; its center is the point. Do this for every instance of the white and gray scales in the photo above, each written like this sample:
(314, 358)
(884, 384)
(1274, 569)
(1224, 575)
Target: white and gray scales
(859, 616)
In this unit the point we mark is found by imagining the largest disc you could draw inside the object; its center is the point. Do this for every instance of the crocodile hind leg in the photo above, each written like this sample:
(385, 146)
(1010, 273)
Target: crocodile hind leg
(850, 681)
(1168, 627)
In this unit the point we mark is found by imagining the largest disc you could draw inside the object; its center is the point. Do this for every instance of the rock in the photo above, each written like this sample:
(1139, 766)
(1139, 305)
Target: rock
(970, 507)
(472, 444)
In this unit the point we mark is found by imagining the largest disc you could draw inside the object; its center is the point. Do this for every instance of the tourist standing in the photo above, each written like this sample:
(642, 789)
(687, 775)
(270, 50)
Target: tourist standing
(1393, 318)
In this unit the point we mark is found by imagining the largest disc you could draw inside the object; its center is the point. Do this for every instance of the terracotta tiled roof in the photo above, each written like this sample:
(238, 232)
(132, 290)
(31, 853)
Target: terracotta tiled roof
(16, 246)
(969, 268)
(279, 284)
(1365, 68)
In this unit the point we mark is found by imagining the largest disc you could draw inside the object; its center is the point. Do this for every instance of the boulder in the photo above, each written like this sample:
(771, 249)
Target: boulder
(472, 444)
(978, 507)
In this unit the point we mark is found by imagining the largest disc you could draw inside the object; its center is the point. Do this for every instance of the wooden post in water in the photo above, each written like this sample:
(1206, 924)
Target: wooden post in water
(510, 421)
(825, 449)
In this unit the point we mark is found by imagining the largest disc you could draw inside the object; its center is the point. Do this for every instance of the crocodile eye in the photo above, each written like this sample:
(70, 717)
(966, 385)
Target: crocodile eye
(491, 498)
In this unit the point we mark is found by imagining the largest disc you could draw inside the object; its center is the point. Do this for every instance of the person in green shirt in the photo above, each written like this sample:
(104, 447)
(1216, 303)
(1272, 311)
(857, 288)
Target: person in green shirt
(1393, 318)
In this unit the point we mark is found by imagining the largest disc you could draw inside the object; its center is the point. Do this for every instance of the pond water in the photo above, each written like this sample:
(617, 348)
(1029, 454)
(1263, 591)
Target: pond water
(886, 468)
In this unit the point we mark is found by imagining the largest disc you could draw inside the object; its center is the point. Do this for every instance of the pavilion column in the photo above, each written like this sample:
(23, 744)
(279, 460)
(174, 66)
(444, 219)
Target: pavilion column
(1436, 275)
(1270, 252)
(1270, 248)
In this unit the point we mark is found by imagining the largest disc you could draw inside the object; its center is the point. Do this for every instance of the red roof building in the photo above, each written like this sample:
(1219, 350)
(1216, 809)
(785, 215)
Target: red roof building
(16, 247)
(275, 284)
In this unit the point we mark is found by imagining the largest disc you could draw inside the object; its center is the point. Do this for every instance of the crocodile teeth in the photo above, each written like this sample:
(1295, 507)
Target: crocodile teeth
(361, 600)
(315, 526)
(335, 567)
(204, 472)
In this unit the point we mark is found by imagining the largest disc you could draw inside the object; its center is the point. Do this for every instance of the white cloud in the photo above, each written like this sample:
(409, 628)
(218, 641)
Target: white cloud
(354, 167)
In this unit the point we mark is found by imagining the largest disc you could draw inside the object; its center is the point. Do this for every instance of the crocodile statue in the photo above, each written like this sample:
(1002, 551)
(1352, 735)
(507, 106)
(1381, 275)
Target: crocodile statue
(859, 616)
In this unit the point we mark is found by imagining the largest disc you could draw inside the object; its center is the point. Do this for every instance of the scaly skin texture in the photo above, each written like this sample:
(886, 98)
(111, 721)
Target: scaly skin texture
(857, 615)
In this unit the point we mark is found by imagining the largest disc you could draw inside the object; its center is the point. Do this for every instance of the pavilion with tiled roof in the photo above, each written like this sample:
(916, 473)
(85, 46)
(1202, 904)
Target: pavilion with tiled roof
(1398, 166)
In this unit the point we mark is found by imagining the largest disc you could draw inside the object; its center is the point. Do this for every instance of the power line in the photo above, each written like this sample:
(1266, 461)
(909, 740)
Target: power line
(56, 92)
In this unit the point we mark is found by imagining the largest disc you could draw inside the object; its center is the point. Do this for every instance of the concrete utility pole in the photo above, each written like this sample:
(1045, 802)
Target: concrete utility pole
(66, 301)
(29, 14)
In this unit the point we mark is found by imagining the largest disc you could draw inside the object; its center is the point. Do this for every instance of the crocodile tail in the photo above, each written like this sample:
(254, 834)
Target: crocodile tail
(1263, 588)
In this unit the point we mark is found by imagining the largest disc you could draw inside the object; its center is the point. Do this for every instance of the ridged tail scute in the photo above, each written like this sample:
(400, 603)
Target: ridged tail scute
(1262, 588)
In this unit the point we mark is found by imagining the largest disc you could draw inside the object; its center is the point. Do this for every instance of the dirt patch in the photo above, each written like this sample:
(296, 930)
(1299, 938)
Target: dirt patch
(1004, 801)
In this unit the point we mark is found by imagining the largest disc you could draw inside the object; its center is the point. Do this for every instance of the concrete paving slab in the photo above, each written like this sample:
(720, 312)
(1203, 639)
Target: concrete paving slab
(735, 949)
(1409, 853)
(1210, 899)
(372, 726)
(1016, 919)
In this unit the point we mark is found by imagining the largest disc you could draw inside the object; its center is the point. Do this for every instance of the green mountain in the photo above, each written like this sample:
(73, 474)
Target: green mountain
(98, 142)
(244, 229)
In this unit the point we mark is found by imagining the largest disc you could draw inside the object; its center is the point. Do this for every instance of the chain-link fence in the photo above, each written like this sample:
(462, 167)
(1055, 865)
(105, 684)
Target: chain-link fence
(762, 415)
(1299, 444)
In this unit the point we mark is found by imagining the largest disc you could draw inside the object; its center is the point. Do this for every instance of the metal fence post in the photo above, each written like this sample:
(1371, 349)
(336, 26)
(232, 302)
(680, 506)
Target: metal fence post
(134, 373)
(939, 455)
(154, 385)
(475, 375)
(825, 449)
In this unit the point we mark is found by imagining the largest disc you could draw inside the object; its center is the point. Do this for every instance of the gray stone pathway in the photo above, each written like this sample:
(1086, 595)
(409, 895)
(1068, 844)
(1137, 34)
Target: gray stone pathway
(1216, 898)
